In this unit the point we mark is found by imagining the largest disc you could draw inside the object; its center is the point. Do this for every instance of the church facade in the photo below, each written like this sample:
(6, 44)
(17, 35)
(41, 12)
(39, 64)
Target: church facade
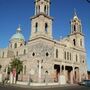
(45, 59)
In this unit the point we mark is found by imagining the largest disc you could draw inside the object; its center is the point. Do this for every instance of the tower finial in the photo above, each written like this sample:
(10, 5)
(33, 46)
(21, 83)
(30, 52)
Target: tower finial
(75, 13)
(19, 28)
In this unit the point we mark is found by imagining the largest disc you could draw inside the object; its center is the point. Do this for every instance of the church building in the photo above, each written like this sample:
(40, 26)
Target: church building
(44, 58)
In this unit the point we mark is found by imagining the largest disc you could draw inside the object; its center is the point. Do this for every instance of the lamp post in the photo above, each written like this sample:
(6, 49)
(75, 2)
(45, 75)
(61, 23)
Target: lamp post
(32, 72)
(39, 69)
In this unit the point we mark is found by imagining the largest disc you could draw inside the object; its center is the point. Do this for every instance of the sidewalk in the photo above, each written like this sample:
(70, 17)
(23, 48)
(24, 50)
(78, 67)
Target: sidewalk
(37, 87)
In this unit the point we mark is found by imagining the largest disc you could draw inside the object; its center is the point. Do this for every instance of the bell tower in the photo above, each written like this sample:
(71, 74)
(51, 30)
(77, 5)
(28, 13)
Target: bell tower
(76, 26)
(42, 6)
(41, 22)
(76, 34)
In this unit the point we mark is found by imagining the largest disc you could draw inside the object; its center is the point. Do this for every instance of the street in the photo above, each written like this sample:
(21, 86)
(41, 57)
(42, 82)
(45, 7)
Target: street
(6, 87)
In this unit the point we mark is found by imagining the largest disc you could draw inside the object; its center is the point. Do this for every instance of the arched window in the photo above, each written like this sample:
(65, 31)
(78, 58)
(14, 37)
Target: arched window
(24, 51)
(20, 44)
(15, 45)
(74, 42)
(45, 9)
(65, 55)
(56, 53)
(74, 27)
(36, 27)
(47, 54)
(46, 27)
(38, 9)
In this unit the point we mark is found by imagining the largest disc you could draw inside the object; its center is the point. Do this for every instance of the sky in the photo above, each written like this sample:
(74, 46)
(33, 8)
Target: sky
(15, 12)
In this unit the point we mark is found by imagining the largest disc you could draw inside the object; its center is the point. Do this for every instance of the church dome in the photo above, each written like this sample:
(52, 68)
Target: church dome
(18, 35)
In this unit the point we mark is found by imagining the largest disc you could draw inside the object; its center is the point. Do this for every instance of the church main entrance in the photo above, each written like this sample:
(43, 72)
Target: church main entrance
(57, 72)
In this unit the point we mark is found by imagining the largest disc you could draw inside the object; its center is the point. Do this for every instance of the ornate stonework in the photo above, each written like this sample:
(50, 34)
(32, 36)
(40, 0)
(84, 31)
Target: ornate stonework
(45, 59)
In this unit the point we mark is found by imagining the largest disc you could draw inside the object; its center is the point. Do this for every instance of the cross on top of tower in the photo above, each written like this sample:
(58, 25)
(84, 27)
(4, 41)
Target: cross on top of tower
(75, 14)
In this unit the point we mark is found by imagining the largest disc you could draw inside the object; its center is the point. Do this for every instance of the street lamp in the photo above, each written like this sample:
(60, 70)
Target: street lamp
(39, 69)
(32, 72)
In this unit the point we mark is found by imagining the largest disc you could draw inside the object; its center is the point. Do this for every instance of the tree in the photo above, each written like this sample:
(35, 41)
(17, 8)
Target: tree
(16, 64)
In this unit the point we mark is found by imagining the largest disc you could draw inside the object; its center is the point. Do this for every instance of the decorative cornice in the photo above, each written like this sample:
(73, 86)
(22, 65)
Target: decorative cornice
(41, 14)
(76, 33)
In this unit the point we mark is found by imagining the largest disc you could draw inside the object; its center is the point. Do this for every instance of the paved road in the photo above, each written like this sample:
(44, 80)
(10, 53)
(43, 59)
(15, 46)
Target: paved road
(53, 88)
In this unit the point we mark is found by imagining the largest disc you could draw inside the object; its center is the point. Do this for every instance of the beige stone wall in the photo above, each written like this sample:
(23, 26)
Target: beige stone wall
(42, 46)
(41, 20)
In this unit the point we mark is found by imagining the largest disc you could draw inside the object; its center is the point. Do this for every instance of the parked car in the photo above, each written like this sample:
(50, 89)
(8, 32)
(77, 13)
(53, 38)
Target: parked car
(85, 83)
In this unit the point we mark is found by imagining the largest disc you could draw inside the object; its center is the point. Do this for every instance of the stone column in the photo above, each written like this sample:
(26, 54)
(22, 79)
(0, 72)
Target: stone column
(64, 70)
(80, 79)
(60, 69)
(39, 71)
(60, 74)
(77, 75)
(72, 76)
(62, 78)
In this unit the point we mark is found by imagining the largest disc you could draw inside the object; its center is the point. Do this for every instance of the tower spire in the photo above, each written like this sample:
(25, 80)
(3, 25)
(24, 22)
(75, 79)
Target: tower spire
(76, 26)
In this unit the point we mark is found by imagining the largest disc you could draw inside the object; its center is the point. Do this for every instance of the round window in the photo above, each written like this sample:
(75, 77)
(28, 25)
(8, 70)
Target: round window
(33, 54)
(47, 54)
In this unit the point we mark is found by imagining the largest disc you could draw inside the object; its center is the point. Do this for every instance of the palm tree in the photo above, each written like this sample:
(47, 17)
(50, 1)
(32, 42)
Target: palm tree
(17, 65)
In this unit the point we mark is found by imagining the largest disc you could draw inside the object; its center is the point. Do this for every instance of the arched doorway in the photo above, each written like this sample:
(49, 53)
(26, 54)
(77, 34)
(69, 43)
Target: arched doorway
(57, 72)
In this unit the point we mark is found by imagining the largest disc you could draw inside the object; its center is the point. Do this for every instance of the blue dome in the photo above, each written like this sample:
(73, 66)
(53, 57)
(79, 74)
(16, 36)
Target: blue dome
(18, 36)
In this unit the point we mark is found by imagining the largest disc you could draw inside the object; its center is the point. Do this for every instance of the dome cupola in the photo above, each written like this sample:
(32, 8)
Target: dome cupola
(17, 40)
(18, 35)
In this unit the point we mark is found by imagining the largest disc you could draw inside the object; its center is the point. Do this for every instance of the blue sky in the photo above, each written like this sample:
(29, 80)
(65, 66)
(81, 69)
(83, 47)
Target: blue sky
(14, 12)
